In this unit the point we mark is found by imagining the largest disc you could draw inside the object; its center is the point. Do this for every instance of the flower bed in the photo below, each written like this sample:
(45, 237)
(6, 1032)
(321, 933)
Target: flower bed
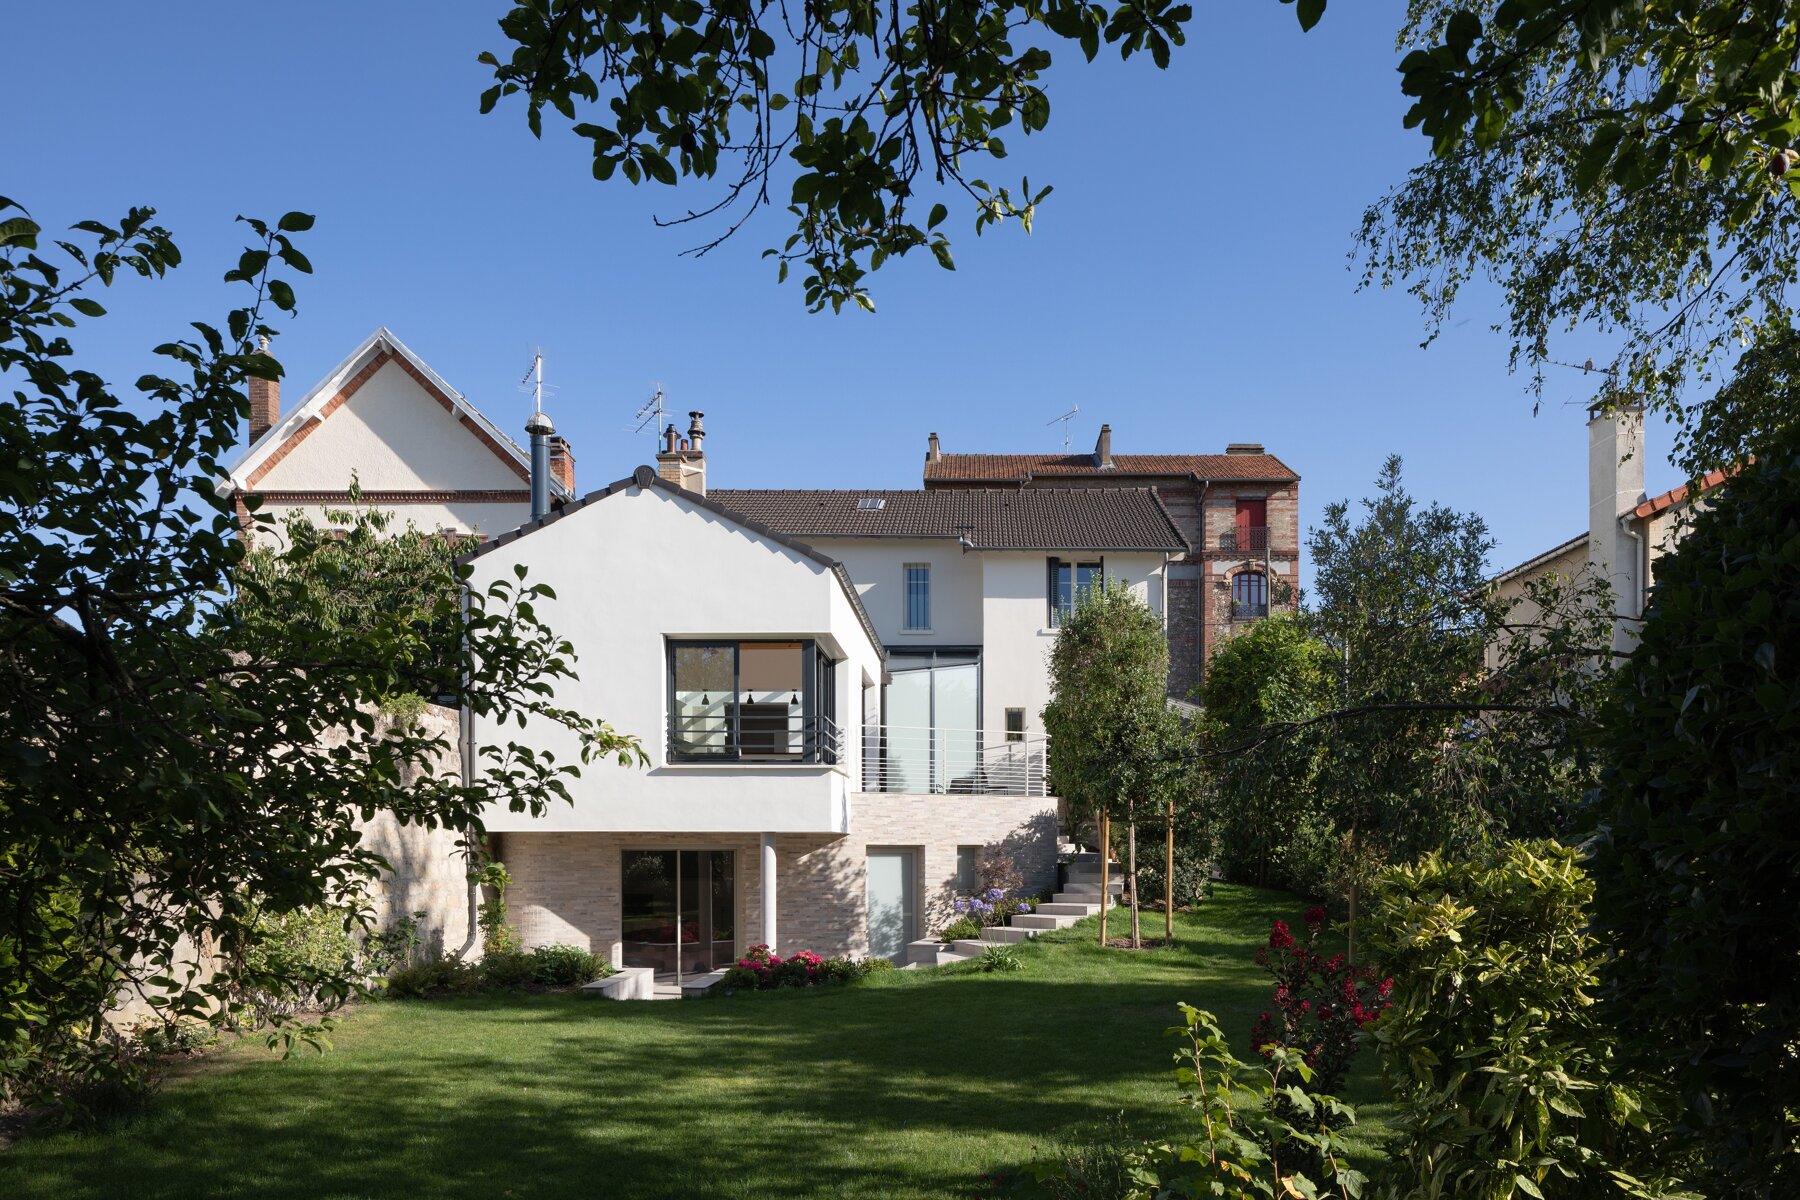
(762, 970)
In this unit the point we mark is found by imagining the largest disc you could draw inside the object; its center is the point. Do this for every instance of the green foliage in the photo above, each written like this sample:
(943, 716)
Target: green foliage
(567, 966)
(179, 762)
(1095, 1164)
(850, 114)
(387, 950)
(1618, 168)
(497, 936)
(506, 969)
(296, 958)
(1698, 855)
(1114, 741)
(999, 959)
(1261, 798)
(1249, 1146)
(959, 929)
(434, 976)
(1505, 1070)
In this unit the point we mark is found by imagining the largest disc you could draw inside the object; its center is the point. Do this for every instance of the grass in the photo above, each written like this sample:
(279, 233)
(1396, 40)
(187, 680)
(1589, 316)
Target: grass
(908, 1085)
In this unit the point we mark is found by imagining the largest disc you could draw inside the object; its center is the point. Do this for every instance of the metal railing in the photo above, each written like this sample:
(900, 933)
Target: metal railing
(1253, 539)
(742, 733)
(954, 762)
(1242, 610)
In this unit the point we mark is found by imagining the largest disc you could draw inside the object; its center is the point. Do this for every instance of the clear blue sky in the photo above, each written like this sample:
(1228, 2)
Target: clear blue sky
(1188, 281)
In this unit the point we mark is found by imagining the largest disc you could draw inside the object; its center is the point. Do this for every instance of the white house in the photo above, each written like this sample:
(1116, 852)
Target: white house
(750, 668)
(416, 447)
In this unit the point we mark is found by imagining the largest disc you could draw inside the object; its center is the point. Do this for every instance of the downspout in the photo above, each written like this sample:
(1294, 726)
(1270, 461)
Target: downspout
(1641, 555)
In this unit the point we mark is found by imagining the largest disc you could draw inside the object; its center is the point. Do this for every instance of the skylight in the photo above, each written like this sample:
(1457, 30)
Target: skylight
(871, 504)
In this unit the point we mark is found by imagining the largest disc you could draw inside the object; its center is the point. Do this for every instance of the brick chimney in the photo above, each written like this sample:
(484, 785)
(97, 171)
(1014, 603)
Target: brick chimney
(562, 462)
(1616, 486)
(265, 400)
(1103, 447)
(682, 461)
(933, 452)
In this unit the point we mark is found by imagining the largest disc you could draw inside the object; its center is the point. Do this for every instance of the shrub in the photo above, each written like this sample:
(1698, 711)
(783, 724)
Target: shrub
(430, 977)
(1095, 1164)
(1698, 860)
(567, 966)
(962, 927)
(387, 950)
(288, 956)
(995, 868)
(1505, 1077)
(761, 970)
(993, 906)
(507, 968)
(1322, 1004)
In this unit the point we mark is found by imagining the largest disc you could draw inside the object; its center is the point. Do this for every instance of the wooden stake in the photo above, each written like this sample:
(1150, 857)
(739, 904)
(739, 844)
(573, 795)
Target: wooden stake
(1169, 881)
(1105, 856)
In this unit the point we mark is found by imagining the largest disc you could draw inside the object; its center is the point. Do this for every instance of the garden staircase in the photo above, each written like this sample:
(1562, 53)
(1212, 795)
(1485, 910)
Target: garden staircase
(1079, 899)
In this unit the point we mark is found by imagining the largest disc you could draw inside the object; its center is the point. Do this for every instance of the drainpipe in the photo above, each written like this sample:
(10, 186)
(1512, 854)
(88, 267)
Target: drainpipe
(540, 429)
(466, 736)
(1641, 559)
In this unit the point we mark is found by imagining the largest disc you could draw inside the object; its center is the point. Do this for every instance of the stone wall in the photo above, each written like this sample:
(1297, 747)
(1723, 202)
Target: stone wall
(566, 885)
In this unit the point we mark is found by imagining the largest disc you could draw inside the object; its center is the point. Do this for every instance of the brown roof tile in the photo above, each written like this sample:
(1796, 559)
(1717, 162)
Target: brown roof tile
(1116, 519)
(1019, 468)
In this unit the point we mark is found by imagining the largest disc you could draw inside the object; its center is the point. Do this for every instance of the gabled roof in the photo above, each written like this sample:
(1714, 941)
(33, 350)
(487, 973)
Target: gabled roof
(644, 477)
(1117, 519)
(1678, 495)
(374, 352)
(1022, 468)
(1533, 564)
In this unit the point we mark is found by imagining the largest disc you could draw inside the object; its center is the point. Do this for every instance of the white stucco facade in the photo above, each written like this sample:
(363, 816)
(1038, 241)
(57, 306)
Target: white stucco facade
(633, 571)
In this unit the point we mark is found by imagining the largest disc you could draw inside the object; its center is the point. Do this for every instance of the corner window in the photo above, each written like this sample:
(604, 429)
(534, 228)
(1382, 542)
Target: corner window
(918, 596)
(1015, 724)
(1069, 584)
(751, 701)
(1249, 595)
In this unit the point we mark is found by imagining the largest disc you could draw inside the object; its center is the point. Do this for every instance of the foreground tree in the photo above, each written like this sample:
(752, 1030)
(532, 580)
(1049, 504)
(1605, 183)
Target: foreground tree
(1111, 730)
(170, 769)
(1698, 854)
(1626, 173)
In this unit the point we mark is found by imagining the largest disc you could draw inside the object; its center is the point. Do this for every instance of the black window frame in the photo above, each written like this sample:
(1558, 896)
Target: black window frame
(818, 694)
(1012, 734)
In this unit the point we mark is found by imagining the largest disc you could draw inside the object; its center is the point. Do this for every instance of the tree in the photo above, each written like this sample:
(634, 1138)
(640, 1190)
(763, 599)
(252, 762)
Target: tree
(865, 106)
(1697, 858)
(1110, 726)
(1624, 172)
(1264, 790)
(171, 764)
(1401, 600)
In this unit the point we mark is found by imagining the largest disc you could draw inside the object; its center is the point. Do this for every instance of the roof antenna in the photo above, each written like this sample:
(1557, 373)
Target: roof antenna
(534, 379)
(1065, 419)
(650, 413)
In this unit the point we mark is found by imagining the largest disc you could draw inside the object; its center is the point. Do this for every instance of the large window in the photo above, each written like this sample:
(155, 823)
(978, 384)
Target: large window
(1069, 583)
(918, 596)
(767, 701)
(933, 738)
(1249, 595)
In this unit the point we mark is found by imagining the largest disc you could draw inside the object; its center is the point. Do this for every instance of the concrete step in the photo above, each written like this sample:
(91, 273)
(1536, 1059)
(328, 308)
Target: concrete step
(1092, 898)
(1114, 886)
(699, 985)
(945, 960)
(1037, 921)
(1066, 909)
(628, 983)
(1007, 933)
(965, 948)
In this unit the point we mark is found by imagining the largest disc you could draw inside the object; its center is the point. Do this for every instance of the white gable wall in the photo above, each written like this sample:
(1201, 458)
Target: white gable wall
(631, 571)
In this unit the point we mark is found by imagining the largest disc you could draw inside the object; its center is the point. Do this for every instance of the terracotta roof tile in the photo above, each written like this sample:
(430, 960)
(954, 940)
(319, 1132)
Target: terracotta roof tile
(1018, 468)
(1674, 496)
(1117, 519)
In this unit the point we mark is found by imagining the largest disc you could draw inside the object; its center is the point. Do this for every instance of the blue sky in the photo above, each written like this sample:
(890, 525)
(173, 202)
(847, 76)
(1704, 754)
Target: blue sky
(1188, 281)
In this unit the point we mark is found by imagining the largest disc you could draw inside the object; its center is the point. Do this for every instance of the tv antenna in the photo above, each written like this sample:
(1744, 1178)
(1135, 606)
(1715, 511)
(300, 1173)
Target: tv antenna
(534, 380)
(1065, 419)
(650, 413)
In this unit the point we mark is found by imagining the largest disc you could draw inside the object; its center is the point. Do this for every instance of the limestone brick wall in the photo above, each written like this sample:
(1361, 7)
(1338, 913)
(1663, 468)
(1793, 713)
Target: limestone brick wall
(566, 885)
(430, 875)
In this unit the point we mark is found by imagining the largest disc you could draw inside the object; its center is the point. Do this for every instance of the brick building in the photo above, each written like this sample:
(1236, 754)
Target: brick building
(1238, 511)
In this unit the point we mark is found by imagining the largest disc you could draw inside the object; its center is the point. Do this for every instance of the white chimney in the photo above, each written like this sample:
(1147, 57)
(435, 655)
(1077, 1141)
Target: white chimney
(1615, 487)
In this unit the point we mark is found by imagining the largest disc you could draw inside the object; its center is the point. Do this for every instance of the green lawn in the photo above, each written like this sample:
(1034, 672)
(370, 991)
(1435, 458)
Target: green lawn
(910, 1084)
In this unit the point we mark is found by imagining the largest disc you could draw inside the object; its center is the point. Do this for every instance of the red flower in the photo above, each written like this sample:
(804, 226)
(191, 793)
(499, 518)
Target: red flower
(1279, 937)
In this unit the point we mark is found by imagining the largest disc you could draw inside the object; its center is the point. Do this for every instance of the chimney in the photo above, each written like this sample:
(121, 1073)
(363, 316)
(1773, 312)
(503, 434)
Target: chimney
(933, 452)
(1244, 448)
(265, 399)
(562, 463)
(696, 430)
(1615, 486)
(1103, 448)
(681, 461)
(540, 429)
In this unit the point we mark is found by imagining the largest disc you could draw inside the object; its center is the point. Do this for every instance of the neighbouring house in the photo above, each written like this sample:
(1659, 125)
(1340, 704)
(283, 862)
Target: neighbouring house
(1239, 513)
(414, 445)
(1627, 531)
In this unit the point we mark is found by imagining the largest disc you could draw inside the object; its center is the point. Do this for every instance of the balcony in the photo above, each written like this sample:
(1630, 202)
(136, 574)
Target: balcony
(1250, 539)
(953, 762)
(770, 733)
(1247, 610)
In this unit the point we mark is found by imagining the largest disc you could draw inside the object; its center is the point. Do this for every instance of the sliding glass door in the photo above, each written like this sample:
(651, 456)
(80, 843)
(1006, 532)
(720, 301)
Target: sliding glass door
(678, 910)
(933, 721)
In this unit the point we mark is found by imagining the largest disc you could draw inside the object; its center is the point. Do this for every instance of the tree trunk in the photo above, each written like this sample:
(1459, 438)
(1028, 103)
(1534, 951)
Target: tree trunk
(1169, 881)
(1355, 884)
(1105, 856)
(1137, 936)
